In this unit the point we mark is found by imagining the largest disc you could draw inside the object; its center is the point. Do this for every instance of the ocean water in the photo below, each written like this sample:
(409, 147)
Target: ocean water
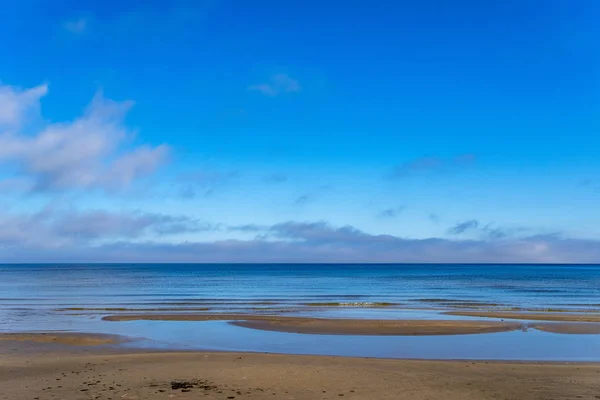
(74, 297)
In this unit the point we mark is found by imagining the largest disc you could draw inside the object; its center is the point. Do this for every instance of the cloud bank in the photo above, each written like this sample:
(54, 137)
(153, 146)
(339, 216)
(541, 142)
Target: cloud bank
(61, 229)
(76, 238)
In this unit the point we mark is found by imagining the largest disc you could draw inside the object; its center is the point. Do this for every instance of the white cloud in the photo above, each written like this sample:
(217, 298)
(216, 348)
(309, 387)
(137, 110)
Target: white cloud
(16, 103)
(141, 161)
(76, 26)
(278, 84)
(88, 152)
(56, 228)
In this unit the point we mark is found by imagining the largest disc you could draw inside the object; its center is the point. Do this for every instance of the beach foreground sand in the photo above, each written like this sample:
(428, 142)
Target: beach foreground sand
(42, 370)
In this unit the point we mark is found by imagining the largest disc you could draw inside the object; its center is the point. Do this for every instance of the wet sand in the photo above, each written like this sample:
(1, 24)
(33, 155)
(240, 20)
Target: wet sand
(577, 328)
(571, 317)
(75, 375)
(381, 328)
(71, 339)
(337, 326)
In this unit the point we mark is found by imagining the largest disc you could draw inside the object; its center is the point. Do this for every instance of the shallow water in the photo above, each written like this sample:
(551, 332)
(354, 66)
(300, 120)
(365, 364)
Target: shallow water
(31, 294)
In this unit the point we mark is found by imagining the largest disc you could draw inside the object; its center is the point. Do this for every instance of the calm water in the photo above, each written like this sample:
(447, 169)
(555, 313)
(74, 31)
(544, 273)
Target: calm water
(30, 296)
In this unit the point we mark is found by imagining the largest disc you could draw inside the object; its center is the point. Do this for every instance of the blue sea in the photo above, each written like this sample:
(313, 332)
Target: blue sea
(76, 297)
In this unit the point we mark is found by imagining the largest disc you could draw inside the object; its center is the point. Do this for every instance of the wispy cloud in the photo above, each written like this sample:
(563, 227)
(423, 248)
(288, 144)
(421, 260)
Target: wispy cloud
(16, 104)
(301, 200)
(489, 231)
(463, 227)
(204, 183)
(276, 178)
(435, 218)
(391, 212)
(248, 228)
(76, 26)
(312, 195)
(86, 153)
(431, 164)
(277, 84)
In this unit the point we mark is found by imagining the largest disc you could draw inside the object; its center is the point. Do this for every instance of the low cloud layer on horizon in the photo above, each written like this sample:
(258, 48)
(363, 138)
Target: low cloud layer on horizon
(110, 237)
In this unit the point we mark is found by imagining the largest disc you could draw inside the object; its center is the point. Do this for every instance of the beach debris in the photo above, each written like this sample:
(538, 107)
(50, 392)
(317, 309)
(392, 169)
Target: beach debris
(176, 385)
(187, 385)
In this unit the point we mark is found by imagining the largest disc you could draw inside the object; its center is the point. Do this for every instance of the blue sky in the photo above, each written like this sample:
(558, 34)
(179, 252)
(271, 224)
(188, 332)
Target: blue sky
(219, 130)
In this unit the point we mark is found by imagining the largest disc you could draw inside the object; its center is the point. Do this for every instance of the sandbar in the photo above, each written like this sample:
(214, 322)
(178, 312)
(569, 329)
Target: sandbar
(576, 328)
(337, 326)
(571, 317)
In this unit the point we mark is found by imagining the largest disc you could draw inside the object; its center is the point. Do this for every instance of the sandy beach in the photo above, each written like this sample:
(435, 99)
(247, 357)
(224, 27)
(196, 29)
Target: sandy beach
(40, 370)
